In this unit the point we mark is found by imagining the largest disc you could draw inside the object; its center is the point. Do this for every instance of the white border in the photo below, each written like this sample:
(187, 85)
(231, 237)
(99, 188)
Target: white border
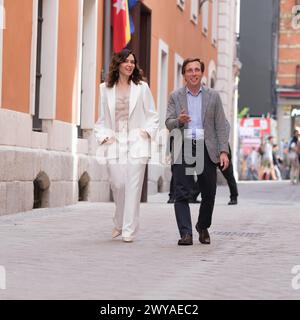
(178, 60)
(89, 64)
(2, 278)
(1, 50)
(214, 31)
(79, 61)
(49, 59)
(33, 56)
(162, 105)
(181, 4)
(194, 11)
(205, 17)
(212, 69)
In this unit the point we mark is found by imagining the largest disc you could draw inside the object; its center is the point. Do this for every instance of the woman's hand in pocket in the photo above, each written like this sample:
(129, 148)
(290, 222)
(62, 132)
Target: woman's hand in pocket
(144, 134)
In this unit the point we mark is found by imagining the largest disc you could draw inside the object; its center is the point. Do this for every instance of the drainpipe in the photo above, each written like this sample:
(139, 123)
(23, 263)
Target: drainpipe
(107, 37)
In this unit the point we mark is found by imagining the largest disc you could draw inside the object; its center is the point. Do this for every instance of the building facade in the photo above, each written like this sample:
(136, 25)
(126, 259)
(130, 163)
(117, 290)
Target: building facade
(51, 56)
(288, 70)
(258, 39)
(228, 66)
(49, 92)
(180, 29)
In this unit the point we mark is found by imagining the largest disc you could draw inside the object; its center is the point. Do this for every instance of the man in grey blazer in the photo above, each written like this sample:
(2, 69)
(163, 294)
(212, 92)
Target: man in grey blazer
(195, 113)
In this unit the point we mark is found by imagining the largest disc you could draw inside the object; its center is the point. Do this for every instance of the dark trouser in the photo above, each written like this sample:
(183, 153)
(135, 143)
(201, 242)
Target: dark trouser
(172, 187)
(229, 176)
(194, 192)
(207, 184)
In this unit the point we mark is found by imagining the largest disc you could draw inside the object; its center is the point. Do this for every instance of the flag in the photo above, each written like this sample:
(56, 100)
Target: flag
(131, 4)
(121, 25)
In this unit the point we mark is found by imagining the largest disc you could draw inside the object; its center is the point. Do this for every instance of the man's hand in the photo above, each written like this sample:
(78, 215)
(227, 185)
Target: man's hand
(109, 140)
(224, 161)
(184, 118)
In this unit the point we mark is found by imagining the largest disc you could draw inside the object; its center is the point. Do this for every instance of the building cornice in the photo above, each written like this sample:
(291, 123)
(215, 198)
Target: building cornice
(288, 92)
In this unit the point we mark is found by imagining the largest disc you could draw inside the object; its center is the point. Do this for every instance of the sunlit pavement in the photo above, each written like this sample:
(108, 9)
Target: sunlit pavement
(68, 253)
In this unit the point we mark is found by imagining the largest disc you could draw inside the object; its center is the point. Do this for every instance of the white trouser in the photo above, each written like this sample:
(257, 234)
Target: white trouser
(126, 182)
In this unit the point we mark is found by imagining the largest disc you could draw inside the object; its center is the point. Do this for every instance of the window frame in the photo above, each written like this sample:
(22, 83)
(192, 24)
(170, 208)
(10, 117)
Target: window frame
(181, 4)
(205, 17)
(194, 11)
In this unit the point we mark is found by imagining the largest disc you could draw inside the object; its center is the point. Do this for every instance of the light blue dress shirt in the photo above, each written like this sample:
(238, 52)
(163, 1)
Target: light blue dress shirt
(195, 126)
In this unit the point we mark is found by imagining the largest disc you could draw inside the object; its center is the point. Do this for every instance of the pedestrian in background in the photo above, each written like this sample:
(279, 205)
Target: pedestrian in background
(228, 174)
(294, 162)
(277, 162)
(252, 165)
(294, 142)
(268, 171)
(294, 138)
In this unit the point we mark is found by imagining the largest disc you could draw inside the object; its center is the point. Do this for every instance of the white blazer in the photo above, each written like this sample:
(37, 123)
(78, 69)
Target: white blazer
(142, 116)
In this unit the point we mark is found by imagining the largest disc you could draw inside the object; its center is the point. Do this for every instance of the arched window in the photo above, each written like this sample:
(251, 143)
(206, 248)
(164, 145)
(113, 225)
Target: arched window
(41, 186)
(83, 187)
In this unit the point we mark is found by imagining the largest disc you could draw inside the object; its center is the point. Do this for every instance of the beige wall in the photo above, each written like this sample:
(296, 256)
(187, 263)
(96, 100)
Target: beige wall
(99, 51)
(180, 34)
(17, 38)
(67, 60)
(17, 55)
(289, 51)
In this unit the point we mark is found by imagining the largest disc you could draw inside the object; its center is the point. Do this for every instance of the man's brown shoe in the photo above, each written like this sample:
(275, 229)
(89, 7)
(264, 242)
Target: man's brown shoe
(186, 240)
(203, 235)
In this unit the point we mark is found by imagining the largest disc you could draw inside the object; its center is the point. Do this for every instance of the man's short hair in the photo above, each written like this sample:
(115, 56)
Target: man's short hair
(189, 60)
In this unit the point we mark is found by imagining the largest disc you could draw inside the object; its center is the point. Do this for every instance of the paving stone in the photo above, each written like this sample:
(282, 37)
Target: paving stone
(67, 253)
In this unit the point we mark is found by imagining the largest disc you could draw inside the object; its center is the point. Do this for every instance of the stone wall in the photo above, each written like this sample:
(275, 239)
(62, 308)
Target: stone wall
(55, 159)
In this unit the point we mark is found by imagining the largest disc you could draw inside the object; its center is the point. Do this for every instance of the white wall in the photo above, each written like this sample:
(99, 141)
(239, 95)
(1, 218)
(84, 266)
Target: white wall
(89, 63)
(49, 59)
(2, 26)
(162, 89)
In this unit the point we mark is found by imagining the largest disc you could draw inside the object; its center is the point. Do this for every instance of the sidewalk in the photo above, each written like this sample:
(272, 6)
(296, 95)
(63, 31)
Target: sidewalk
(67, 253)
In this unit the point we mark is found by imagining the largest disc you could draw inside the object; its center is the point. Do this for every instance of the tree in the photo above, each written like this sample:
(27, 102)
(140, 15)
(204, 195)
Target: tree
(243, 113)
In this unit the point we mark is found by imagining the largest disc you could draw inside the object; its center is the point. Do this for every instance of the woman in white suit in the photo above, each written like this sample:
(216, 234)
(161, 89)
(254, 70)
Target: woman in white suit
(128, 121)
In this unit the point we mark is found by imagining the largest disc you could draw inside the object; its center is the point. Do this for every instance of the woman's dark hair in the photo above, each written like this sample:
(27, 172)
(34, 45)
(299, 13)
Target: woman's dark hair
(117, 59)
(189, 60)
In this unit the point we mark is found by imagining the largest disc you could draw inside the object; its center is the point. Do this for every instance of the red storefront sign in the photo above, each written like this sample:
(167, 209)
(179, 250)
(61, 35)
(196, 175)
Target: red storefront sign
(255, 127)
(252, 131)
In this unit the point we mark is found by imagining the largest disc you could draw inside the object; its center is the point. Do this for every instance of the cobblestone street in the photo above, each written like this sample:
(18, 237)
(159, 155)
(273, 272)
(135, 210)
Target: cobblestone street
(67, 253)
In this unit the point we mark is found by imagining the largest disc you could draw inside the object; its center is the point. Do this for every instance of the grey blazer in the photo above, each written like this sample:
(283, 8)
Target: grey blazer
(216, 133)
